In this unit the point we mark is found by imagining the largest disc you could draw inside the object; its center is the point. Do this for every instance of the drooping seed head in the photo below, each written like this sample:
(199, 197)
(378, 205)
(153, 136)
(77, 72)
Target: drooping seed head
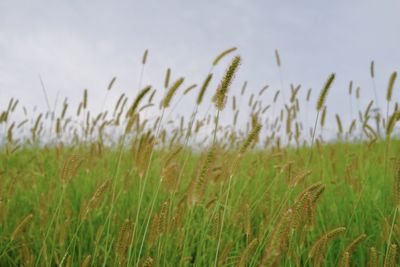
(390, 86)
(219, 98)
(324, 92)
(222, 55)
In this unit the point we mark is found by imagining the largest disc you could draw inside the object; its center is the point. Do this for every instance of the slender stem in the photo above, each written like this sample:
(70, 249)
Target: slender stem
(113, 194)
(223, 219)
(313, 136)
(216, 127)
(72, 242)
(141, 194)
(148, 222)
(391, 232)
(54, 217)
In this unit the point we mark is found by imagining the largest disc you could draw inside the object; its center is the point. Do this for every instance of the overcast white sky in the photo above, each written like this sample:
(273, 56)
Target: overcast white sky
(83, 44)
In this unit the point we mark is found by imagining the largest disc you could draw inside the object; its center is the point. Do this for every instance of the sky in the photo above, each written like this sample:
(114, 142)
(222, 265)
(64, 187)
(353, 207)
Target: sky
(74, 45)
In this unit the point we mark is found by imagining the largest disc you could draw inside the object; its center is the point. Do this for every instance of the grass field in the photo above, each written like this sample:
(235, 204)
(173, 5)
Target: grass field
(76, 191)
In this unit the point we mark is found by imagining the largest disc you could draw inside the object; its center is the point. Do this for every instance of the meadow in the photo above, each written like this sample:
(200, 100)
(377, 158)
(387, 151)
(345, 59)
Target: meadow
(132, 187)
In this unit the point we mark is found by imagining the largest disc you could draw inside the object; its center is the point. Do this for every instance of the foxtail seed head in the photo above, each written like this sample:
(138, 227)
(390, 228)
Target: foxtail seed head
(219, 98)
(324, 92)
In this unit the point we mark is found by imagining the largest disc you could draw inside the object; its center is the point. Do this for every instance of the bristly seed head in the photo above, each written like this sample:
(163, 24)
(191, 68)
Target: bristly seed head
(324, 92)
(219, 98)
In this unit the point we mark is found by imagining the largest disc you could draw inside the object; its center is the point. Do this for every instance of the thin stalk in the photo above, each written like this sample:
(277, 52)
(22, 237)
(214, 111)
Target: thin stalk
(141, 194)
(54, 217)
(313, 137)
(223, 220)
